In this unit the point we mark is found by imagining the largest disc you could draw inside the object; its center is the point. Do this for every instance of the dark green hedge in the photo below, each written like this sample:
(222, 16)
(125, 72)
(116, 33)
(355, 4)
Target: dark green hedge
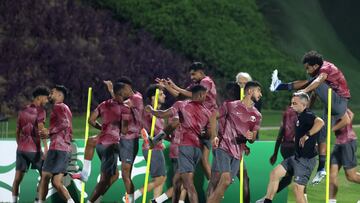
(229, 35)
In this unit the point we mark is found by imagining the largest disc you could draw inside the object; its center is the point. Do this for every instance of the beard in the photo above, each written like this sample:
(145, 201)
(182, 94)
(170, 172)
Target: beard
(254, 99)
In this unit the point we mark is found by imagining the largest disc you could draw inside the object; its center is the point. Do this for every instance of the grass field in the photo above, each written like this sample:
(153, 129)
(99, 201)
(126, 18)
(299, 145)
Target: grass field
(348, 192)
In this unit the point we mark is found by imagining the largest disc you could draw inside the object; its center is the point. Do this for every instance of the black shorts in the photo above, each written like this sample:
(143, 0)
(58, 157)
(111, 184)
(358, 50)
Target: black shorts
(157, 165)
(56, 161)
(338, 108)
(128, 150)
(344, 155)
(189, 157)
(205, 142)
(108, 155)
(175, 165)
(300, 168)
(24, 159)
(223, 162)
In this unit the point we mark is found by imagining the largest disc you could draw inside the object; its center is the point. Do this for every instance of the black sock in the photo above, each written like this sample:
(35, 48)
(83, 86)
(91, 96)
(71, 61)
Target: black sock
(267, 200)
(284, 86)
(284, 182)
(322, 160)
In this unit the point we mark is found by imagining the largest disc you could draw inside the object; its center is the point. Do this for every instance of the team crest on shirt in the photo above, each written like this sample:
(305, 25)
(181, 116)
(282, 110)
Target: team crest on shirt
(297, 123)
(252, 118)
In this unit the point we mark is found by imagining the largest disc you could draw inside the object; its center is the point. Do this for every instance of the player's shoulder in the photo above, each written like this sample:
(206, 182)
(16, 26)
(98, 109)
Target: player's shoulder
(207, 79)
(328, 66)
(61, 107)
(307, 113)
(181, 103)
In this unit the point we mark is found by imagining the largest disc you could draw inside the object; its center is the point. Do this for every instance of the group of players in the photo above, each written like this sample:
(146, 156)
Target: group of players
(193, 125)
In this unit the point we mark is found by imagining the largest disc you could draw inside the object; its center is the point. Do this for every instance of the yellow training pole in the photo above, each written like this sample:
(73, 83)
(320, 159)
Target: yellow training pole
(86, 137)
(241, 162)
(150, 151)
(328, 141)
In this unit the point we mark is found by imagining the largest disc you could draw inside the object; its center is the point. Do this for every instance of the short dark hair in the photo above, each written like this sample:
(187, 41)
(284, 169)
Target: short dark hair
(118, 86)
(125, 80)
(195, 66)
(251, 84)
(302, 96)
(40, 91)
(197, 88)
(151, 90)
(312, 58)
(62, 89)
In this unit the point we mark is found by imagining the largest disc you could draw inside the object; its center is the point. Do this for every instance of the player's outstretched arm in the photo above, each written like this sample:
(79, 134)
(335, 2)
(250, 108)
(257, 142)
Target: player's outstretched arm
(315, 83)
(159, 113)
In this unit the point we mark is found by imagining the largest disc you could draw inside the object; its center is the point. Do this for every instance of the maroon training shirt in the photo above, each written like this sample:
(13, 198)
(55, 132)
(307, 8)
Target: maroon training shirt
(27, 123)
(111, 113)
(60, 130)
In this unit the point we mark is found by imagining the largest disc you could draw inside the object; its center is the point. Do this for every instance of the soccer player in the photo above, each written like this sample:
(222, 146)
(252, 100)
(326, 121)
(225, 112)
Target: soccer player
(195, 117)
(241, 121)
(115, 116)
(59, 154)
(343, 155)
(303, 162)
(157, 166)
(129, 142)
(29, 131)
(286, 136)
(323, 75)
(198, 76)
(285, 139)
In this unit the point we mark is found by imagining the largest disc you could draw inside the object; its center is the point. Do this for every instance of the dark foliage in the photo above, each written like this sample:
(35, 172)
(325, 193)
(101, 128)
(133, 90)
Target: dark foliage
(48, 42)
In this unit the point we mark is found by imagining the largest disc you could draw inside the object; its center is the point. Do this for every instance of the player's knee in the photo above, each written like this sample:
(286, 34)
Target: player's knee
(162, 179)
(298, 190)
(273, 175)
(57, 184)
(333, 175)
(227, 180)
(351, 177)
(125, 175)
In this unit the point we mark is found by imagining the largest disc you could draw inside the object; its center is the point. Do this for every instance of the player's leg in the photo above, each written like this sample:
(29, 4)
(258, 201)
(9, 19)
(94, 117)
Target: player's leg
(299, 193)
(218, 193)
(246, 188)
(128, 151)
(205, 157)
(88, 156)
(189, 156)
(214, 180)
(350, 162)
(177, 184)
(188, 183)
(334, 172)
(61, 189)
(275, 176)
(101, 187)
(15, 187)
(321, 140)
(44, 185)
(215, 175)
